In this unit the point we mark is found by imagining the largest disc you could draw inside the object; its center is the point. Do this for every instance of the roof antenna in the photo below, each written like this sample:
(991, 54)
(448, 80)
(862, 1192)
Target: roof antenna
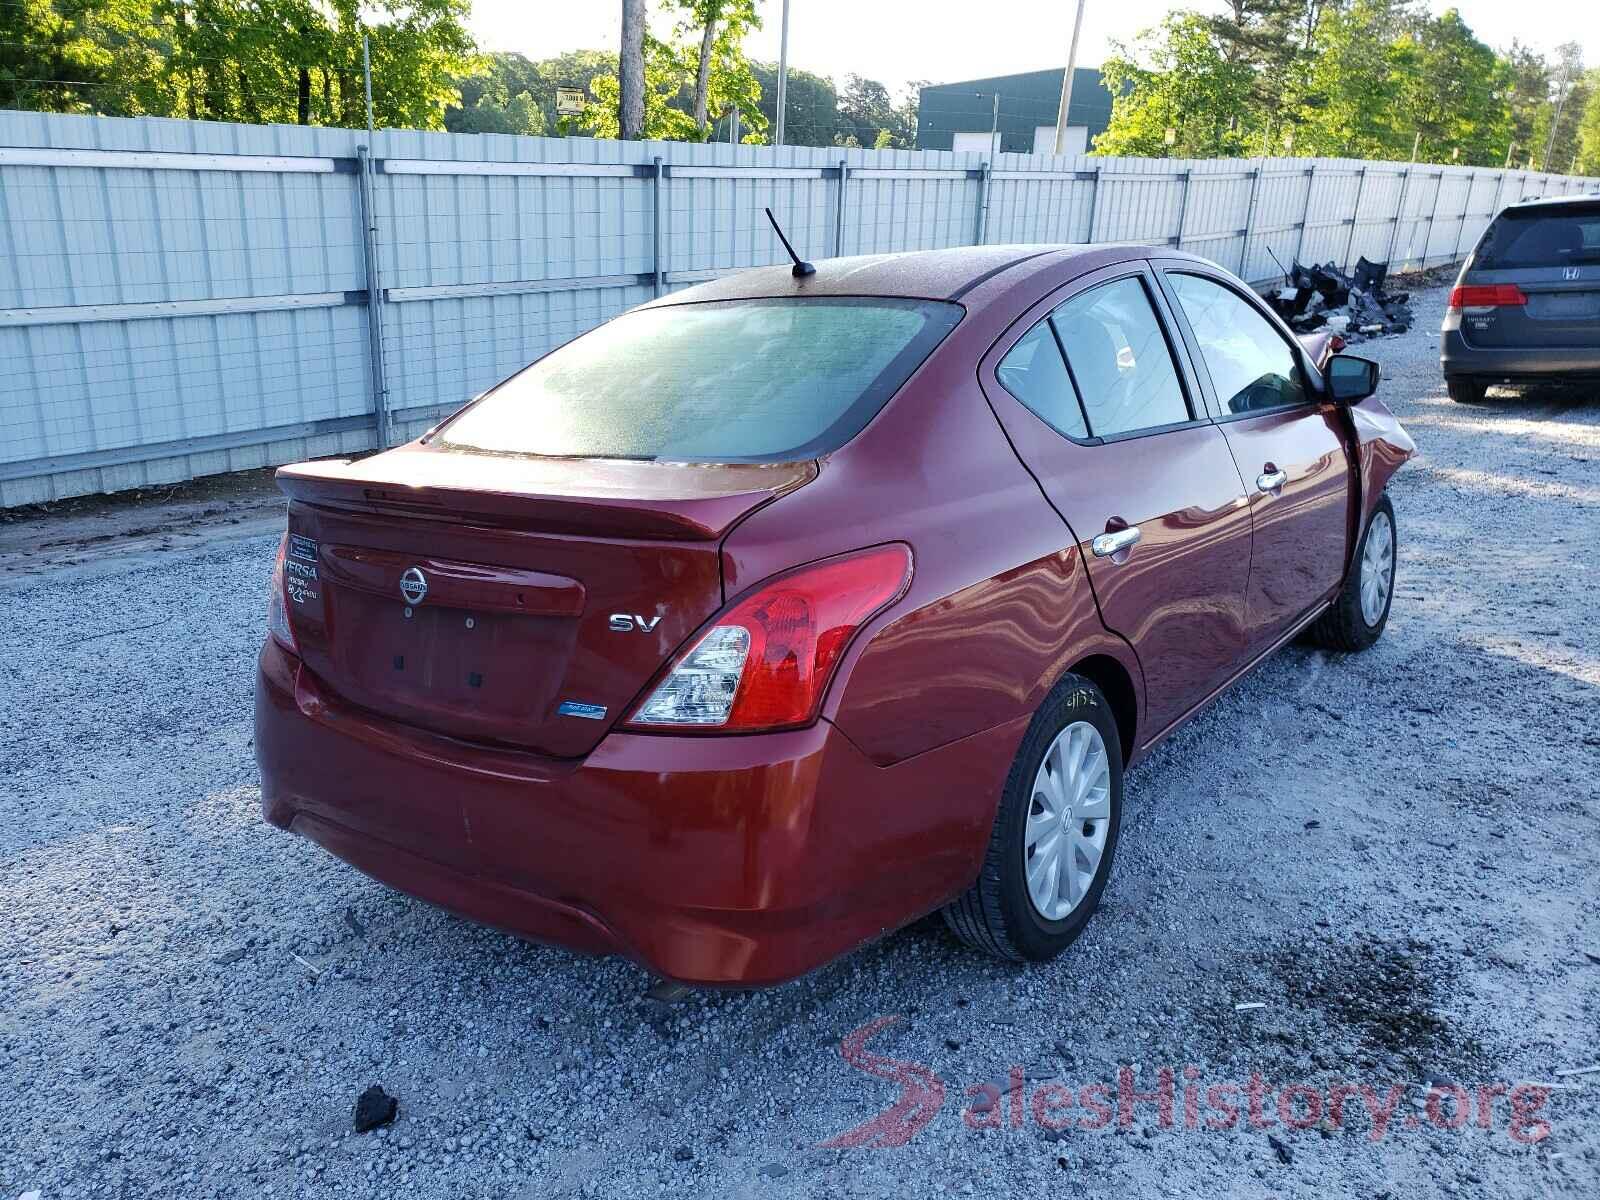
(801, 267)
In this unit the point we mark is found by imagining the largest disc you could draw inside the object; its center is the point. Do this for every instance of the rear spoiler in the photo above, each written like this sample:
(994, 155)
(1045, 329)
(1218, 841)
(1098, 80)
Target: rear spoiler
(585, 497)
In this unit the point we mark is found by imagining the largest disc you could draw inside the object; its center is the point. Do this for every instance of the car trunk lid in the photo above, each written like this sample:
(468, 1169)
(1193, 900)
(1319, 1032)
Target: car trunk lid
(508, 599)
(1551, 254)
(1562, 309)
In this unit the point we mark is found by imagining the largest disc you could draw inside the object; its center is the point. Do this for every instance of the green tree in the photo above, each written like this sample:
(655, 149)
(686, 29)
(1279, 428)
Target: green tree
(719, 27)
(82, 56)
(665, 72)
(670, 71)
(1529, 97)
(1562, 112)
(1274, 39)
(1345, 106)
(506, 95)
(866, 109)
(1451, 89)
(292, 61)
(1589, 129)
(1177, 77)
(813, 103)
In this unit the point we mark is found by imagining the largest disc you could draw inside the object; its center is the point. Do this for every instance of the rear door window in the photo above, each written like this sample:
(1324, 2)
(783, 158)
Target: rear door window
(1119, 359)
(1541, 238)
(766, 380)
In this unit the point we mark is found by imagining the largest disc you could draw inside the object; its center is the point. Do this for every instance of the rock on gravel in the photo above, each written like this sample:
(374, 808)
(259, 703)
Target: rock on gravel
(157, 1038)
(374, 1108)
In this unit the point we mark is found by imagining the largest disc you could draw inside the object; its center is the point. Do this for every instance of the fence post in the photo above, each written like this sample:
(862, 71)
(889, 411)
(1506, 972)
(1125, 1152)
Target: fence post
(1305, 217)
(369, 254)
(1399, 213)
(1183, 206)
(838, 214)
(1466, 211)
(1250, 216)
(983, 203)
(1427, 238)
(1094, 205)
(1355, 217)
(655, 225)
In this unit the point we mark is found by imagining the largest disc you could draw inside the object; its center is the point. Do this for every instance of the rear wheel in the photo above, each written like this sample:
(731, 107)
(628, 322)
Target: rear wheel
(1054, 835)
(1464, 389)
(1357, 618)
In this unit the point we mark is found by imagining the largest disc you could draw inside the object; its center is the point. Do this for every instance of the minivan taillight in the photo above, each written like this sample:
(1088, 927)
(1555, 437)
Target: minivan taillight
(765, 662)
(1493, 295)
(277, 604)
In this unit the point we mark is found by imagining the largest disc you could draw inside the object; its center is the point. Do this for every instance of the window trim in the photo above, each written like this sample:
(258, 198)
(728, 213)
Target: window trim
(1189, 384)
(1314, 397)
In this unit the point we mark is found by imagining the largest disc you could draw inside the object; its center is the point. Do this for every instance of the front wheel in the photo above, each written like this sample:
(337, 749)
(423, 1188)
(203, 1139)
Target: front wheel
(1357, 618)
(1054, 834)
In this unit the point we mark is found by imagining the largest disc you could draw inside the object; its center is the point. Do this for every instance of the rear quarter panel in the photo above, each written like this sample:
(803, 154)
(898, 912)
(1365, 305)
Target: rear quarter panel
(999, 606)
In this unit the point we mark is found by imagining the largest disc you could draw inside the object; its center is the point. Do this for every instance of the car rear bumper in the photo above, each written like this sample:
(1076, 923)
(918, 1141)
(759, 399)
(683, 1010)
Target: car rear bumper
(1457, 357)
(731, 861)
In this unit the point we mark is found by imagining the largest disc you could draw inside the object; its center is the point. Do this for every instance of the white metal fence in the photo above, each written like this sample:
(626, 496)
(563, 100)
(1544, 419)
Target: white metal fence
(183, 298)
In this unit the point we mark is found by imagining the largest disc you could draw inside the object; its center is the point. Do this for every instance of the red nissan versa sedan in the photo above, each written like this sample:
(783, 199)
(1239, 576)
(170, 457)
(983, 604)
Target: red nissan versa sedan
(774, 614)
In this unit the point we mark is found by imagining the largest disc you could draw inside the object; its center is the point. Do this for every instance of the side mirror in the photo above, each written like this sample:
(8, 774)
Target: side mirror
(1352, 379)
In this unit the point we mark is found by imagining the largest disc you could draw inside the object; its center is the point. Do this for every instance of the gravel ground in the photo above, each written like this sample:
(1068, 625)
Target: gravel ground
(1392, 854)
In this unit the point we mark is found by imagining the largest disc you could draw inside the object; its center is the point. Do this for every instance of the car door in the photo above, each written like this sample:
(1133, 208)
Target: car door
(1290, 445)
(1100, 409)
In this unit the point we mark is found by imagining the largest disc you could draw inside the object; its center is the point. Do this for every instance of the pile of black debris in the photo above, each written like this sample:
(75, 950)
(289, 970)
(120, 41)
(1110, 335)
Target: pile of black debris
(1354, 306)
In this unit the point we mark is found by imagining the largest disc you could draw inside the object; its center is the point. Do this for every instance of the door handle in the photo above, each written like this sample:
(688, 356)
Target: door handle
(1107, 544)
(1271, 481)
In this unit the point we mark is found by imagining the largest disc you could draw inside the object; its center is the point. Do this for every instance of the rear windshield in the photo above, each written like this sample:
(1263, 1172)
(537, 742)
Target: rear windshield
(730, 381)
(1542, 238)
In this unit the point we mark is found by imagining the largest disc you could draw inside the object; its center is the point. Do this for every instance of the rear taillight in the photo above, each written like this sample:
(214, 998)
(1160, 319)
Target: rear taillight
(277, 605)
(1493, 295)
(766, 661)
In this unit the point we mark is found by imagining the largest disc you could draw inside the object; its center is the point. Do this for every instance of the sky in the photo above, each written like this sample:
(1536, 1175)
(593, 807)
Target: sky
(895, 41)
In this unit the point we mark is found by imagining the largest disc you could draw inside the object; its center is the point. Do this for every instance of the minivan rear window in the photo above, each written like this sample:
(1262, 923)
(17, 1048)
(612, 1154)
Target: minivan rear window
(765, 380)
(1541, 237)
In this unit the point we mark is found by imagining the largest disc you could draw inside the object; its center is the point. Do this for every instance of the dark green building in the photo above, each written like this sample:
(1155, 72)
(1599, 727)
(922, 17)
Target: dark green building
(960, 116)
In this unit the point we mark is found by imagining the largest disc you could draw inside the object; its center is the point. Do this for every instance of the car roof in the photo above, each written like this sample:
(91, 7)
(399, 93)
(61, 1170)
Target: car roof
(1554, 202)
(920, 274)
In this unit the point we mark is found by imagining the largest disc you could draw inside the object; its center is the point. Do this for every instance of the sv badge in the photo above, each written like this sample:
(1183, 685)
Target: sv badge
(624, 623)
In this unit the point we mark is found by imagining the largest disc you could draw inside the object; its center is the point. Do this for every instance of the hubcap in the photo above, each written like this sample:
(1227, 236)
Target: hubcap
(1377, 569)
(1070, 815)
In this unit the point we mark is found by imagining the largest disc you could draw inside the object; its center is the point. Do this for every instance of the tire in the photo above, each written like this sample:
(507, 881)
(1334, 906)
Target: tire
(1352, 624)
(1464, 389)
(998, 914)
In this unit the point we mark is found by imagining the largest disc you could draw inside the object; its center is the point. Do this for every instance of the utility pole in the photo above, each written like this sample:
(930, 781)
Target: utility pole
(366, 75)
(994, 127)
(783, 75)
(1510, 150)
(1561, 102)
(1066, 82)
(630, 68)
(1416, 145)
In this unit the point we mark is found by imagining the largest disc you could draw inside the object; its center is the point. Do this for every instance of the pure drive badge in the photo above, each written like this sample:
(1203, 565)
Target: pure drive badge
(575, 708)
